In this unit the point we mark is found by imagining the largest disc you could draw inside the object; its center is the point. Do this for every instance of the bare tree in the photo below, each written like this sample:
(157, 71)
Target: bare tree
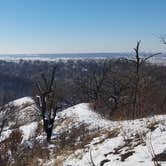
(92, 82)
(47, 102)
(114, 91)
(139, 61)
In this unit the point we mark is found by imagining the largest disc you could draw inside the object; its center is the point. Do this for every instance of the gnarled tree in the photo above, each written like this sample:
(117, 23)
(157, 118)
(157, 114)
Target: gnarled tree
(46, 101)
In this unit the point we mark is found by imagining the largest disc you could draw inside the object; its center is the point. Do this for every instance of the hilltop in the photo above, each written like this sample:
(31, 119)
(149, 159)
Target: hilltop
(81, 137)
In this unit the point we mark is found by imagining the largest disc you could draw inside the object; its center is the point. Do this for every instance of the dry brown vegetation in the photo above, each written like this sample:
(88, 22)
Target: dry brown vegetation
(10, 148)
(126, 89)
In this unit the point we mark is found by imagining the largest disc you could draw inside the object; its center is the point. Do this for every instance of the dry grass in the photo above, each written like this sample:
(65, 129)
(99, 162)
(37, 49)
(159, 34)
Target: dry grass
(11, 144)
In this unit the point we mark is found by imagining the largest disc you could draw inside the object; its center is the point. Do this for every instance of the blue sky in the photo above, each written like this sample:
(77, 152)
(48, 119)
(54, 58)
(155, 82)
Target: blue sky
(72, 26)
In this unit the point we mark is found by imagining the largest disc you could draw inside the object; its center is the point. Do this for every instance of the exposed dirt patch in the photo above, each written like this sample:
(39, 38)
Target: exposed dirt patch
(126, 155)
(160, 157)
(103, 162)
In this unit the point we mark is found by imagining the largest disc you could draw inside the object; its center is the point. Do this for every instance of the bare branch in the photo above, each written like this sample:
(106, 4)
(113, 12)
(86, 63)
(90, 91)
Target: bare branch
(150, 56)
(163, 40)
(45, 80)
(38, 87)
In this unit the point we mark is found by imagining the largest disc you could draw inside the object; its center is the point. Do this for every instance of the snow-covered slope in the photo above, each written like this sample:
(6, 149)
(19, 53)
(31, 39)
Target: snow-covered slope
(129, 147)
(81, 137)
(135, 142)
(82, 114)
(21, 113)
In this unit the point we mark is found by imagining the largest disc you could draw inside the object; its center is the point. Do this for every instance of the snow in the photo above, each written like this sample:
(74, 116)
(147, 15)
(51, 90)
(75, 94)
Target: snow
(141, 156)
(83, 114)
(20, 112)
(5, 134)
(96, 152)
(50, 162)
(132, 136)
(22, 101)
(22, 115)
(129, 129)
(28, 130)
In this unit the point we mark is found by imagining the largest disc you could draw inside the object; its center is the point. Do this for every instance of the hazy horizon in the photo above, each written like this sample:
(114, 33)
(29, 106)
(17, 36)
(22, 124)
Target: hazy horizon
(79, 53)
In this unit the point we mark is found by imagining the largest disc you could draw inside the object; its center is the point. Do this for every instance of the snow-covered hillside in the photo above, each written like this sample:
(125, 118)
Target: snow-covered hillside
(82, 137)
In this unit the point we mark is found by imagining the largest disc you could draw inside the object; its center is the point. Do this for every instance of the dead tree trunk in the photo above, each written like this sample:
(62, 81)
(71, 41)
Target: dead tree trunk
(137, 78)
(92, 83)
(139, 62)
